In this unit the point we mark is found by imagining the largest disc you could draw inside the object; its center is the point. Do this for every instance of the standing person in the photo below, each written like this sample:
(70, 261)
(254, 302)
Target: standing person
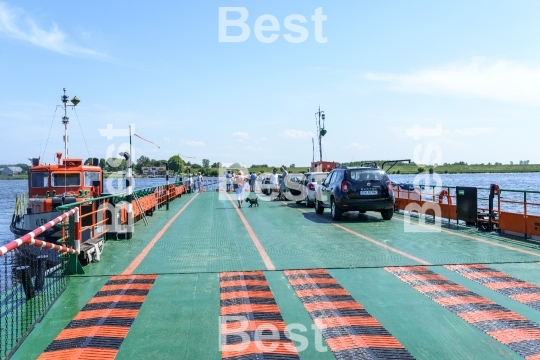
(199, 181)
(274, 181)
(258, 182)
(239, 182)
(252, 179)
(229, 180)
(191, 185)
(282, 187)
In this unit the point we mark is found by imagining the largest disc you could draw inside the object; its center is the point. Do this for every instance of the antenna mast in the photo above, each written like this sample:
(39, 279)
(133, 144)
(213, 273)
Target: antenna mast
(65, 119)
(321, 131)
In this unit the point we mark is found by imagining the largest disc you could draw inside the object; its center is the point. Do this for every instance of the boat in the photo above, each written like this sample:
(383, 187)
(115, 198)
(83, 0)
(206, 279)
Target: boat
(67, 181)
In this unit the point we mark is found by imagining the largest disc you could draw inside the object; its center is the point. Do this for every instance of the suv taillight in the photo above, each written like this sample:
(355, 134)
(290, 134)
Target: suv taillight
(311, 187)
(344, 187)
(390, 187)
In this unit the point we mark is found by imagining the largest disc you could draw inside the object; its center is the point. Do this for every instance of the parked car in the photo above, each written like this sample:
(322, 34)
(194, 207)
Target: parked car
(309, 182)
(356, 189)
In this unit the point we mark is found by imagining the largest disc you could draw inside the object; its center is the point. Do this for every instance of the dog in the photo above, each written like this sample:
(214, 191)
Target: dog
(254, 201)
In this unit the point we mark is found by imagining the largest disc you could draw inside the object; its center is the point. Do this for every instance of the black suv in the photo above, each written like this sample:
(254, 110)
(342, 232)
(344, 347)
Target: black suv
(356, 189)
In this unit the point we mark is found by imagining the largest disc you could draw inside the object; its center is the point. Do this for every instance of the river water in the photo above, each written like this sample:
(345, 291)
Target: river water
(517, 181)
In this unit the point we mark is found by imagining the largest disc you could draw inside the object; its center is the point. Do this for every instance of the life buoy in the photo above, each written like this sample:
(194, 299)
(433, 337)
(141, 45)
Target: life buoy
(444, 193)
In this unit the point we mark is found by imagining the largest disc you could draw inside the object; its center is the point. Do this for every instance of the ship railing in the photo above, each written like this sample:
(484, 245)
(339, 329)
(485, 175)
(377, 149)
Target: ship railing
(514, 212)
(33, 274)
(109, 215)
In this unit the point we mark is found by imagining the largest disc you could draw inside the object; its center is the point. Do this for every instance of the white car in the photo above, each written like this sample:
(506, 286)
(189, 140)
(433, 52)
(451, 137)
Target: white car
(313, 180)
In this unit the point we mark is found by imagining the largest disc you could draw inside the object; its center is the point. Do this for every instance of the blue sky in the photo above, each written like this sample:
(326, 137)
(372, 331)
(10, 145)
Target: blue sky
(466, 74)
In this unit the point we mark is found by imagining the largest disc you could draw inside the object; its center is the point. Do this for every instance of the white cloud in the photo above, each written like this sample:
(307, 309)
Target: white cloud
(15, 24)
(240, 135)
(295, 134)
(191, 143)
(356, 146)
(479, 78)
(250, 148)
(264, 139)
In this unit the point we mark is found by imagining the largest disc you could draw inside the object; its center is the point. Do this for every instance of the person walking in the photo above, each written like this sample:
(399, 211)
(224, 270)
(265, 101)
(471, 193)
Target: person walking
(274, 181)
(252, 179)
(229, 180)
(199, 181)
(239, 182)
(282, 186)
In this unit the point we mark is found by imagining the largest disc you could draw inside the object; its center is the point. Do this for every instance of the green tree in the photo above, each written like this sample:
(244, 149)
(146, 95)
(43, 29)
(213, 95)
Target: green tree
(102, 163)
(176, 164)
(141, 162)
(205, 163)
(216, 165)
(196, 166)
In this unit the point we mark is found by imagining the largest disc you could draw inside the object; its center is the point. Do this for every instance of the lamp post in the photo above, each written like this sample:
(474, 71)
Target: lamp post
(167, 184)
(321, 131)
(129, 193)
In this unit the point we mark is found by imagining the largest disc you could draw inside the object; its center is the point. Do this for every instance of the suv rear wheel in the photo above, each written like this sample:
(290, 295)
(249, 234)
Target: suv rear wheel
(336, 212)
(319, 209)
(387, 214)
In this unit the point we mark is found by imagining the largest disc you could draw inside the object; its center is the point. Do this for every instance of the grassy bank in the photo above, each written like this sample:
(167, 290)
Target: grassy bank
(14, 177)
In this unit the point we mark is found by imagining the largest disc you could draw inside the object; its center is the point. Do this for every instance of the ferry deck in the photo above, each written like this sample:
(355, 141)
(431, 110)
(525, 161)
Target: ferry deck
(361, 288)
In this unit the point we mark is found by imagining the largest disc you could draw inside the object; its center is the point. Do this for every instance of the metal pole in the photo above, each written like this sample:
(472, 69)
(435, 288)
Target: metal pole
(129, 190)
(320, 142)
(167, 184)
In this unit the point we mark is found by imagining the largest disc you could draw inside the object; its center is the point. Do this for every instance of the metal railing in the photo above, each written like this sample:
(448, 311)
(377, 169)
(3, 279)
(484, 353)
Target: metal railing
(33, 274)
(514, 211)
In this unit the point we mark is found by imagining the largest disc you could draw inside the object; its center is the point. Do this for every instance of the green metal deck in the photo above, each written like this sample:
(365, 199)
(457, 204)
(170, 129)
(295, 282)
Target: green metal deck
(179, 318)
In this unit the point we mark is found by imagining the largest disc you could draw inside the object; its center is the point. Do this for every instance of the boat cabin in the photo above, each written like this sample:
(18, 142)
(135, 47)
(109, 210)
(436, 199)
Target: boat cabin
(69, 178)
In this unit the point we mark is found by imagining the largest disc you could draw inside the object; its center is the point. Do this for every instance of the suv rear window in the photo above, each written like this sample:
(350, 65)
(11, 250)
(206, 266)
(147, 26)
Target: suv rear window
(362, 175)
(318, 178)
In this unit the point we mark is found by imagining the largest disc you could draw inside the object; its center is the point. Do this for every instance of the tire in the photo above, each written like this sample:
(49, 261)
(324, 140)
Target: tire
(387, 214)
(362, 211)
(336, 212)
(309, 203)
(298, 202)
(319, 209)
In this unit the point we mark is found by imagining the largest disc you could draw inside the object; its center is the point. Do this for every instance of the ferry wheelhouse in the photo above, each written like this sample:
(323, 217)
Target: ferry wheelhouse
(53, 185)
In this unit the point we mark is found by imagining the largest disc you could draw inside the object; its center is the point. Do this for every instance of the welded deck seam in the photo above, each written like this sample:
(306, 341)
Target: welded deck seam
(364, 237)
(262, 252)
(479, 240)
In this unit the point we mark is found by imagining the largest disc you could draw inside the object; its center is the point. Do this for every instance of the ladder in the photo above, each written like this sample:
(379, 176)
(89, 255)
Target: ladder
(140, 208)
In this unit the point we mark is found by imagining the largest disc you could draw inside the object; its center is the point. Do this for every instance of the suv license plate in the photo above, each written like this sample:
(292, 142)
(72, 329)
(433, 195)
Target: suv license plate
(368, 192)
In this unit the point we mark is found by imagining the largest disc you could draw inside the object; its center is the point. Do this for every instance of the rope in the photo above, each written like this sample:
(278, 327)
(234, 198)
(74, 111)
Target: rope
(48, 135)
(140, 137)
(82, 132)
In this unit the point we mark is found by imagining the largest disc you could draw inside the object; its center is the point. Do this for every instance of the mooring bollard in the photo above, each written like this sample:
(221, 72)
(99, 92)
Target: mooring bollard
(40, 273)
(26, 280)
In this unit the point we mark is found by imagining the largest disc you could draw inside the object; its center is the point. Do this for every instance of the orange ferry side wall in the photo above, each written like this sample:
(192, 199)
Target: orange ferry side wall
(508, 221)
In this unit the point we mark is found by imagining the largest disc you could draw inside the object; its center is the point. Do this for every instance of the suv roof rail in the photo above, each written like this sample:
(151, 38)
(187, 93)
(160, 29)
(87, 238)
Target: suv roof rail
(370, 164)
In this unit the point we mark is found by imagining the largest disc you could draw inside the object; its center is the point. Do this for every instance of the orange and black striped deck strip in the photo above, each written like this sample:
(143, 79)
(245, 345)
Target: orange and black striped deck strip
(251, 322)
(508, 327)
(348, 329)
(99, 329)
(519, 290)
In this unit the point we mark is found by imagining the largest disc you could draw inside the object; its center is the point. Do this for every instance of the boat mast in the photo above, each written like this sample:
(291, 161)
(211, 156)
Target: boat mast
(65, 119)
